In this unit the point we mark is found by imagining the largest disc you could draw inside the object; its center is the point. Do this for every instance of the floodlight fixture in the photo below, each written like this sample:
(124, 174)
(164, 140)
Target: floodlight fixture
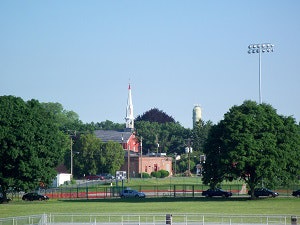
(260, 48)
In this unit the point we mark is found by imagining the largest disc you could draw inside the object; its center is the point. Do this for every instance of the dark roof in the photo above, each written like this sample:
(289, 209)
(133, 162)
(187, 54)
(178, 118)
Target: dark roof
(112, 135)
(61, 168)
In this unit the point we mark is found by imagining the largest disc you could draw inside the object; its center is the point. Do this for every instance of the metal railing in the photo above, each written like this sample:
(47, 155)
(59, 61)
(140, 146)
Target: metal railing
(150, 219)
(22, 220)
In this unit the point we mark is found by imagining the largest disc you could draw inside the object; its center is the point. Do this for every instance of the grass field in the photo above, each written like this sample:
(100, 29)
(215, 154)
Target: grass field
(236, 206)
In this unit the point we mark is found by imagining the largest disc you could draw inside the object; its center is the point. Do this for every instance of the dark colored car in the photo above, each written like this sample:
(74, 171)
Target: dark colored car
(296, 193)
(107, 176)
(263, 192)
(34, 196)
(1, 198)
(94, 177)
(216, 192)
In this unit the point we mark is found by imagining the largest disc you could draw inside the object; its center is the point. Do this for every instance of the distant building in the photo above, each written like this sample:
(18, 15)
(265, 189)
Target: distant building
(62, 176)
(126, 138)
(135, 162)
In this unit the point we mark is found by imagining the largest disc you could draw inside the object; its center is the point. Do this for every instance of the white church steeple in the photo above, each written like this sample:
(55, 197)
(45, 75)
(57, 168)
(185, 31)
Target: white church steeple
(129, 111)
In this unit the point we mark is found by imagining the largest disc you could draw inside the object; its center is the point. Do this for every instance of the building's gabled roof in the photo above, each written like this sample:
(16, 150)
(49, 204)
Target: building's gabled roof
(112, 135)
(61, 168)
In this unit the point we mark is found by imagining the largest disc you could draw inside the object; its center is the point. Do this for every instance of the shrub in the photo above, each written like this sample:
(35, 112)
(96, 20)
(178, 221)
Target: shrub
(145, 175)
(160, 174)
(156, 174)
(164, 173)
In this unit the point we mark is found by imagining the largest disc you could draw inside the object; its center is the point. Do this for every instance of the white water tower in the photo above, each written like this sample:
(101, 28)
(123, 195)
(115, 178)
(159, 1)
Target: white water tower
(196, 114)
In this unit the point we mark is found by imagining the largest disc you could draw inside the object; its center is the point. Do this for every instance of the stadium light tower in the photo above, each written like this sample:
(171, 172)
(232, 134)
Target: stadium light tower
(260, 48)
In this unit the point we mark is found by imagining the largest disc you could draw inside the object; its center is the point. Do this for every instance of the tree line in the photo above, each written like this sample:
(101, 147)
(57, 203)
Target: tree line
(252, 143)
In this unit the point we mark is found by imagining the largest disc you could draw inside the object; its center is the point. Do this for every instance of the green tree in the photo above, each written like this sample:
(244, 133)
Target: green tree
(199, 135)
(31, 144)
(108, 125)
(255, 144)
(66, 120)
(170, 136)
(113, 157)
(88, 160)
(96, 157)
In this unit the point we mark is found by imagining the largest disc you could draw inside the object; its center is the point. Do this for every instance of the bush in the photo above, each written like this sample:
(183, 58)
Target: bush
(160, 174)
(156, 174)
(145, 175)
(164, 173)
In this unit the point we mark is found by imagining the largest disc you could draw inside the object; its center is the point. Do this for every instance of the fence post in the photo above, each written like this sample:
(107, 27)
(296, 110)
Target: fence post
(169, 219)
(174, 190)
(293, 220)
(193, 187)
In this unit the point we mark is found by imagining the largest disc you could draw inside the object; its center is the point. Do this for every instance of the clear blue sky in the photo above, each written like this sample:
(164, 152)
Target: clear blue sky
(175, 54)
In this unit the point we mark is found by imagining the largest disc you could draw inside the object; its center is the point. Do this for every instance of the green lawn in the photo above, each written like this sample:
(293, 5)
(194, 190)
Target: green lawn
(237, 206)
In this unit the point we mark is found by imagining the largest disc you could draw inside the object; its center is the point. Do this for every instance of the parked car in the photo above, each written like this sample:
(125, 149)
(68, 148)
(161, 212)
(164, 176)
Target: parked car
(1, 198)
(107, 176)
(216, 192)
(34, 196)
(296, 193)
(129, 193)
(263, 192)
(94, 177)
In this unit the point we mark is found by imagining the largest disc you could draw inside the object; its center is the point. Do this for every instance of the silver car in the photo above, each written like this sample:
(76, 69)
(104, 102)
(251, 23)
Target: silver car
(129, 193)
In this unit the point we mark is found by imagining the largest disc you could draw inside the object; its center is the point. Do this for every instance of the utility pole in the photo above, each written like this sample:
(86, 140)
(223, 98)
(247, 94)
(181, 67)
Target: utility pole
(141, 157)
(128, 163)
(72, 134)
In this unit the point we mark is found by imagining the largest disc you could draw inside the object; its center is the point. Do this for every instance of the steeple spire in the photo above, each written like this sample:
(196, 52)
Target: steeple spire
(129, 111)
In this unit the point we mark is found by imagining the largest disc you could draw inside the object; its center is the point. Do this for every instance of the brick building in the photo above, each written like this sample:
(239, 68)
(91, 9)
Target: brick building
(138, 163)
(135, 162)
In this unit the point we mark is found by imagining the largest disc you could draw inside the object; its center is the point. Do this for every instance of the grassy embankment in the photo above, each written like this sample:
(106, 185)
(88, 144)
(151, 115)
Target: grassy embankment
(268, 206)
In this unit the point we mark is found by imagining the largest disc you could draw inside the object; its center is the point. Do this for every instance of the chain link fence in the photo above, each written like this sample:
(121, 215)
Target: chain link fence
(98, 191)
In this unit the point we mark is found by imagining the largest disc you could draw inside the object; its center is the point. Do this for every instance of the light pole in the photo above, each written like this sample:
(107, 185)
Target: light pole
(72, 133)
(128, 162)
(141, 146)
(260, 48)
(189, 150)
(175, 154)
(157, 145)
(128, 158)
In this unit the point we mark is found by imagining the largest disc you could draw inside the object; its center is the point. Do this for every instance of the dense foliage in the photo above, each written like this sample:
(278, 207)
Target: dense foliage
(162, 138)
(96, 157)
(31, 144)
(255, 144)
(199, 135)
(155, 115)
(106, 125)
(66, 120)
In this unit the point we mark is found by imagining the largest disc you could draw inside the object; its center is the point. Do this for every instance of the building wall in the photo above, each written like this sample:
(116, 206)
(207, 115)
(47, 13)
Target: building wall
(132, 144)
(147, 164)
(61, 178)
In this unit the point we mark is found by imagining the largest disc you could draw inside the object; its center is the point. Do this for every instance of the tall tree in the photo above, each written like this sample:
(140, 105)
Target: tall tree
(155, 115)
(88, 160)
(96, 157)
(199, 134)
(113, 157)
(255, 144)
(66, 120)
(170, 136)
(30, 142)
